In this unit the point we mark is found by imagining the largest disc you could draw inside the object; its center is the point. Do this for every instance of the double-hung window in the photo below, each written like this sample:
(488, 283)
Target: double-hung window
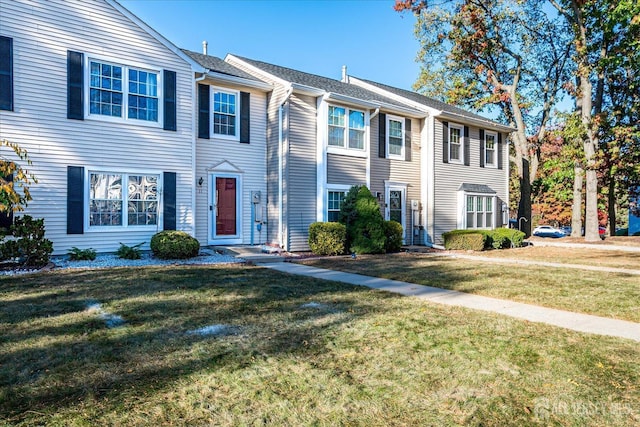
(334, 203)
(479, 211)
(346, 128)
(123, 92)
(123, 200)
(395, 137)
(225, 113)
(456, 145)
(490, 149)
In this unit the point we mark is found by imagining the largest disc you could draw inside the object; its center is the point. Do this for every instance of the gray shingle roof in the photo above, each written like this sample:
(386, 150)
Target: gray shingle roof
(218, 65)
(320, 82)
(429, 102)
(476, 188)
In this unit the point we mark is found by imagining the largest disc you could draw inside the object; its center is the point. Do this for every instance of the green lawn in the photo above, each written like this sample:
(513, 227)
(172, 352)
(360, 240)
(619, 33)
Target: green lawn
(614, 295)
(352, 357)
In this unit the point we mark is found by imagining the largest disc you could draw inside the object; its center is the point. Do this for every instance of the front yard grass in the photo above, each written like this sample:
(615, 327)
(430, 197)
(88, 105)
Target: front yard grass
(298, 351)
(614, 295)
(579, 256)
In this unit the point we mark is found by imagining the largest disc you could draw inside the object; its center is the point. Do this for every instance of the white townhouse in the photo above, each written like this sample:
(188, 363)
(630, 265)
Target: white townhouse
(104, 105)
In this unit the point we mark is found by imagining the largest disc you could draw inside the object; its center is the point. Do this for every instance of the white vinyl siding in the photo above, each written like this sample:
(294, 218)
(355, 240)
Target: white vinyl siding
(40, 125)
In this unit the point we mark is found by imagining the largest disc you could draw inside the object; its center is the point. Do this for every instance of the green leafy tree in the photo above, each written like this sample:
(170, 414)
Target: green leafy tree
(509, 55)
(12, 174)
(360, 213)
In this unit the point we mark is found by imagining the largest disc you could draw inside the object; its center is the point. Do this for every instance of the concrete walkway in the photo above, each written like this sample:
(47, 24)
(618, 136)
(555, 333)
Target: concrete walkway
(564, 319)
(594, 246)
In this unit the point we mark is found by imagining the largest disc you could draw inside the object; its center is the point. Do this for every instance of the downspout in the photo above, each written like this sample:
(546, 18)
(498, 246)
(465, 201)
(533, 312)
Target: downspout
(369, 150)
(281, 166)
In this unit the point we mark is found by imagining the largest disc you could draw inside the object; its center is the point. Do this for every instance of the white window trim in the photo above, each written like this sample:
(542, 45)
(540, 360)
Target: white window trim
(125, 226)
(345, 150)
(400, 156)
(125, 86)
(213, 90)
(461, 128)
(336, 188)
(475, 212)
(495, 150)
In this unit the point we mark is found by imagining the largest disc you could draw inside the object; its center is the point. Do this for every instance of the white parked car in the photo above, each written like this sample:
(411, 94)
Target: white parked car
(548, 231)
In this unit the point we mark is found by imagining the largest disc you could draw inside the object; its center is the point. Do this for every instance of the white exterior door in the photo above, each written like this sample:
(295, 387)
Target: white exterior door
(396, 206)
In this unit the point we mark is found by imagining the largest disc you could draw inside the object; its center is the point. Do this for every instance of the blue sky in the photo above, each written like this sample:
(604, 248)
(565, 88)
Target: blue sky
(319, 37)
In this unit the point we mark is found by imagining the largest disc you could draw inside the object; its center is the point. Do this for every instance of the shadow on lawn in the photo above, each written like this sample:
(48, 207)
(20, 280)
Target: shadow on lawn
(56, 353)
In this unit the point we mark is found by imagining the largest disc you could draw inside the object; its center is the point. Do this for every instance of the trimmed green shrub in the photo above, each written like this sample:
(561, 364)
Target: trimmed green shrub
(172, 244)
(327, 238)
(77, 254)
(474, 240)
(393, 236)
(129, 252)
(366, 233)
(504, 238)
(29, 244)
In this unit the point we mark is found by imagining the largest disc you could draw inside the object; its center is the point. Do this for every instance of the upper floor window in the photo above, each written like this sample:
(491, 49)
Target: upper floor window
(121, 200)
(395, 137)
(456, 146)
(490, 149)
(123, 92)
(346, 128)
(225, 113)
(6, 73)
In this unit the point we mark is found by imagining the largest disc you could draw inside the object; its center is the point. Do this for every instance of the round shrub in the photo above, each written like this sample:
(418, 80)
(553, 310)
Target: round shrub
(327, 238)
(171, 244)
(393, 235)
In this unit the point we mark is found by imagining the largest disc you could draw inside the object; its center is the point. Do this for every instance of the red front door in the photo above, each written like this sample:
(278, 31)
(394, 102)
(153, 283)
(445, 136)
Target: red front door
(226, 221)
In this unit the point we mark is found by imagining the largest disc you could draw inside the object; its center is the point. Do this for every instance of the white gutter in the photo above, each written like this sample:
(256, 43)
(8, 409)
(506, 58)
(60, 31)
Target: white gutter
(486, 124)
(281, 167)
(306, 90)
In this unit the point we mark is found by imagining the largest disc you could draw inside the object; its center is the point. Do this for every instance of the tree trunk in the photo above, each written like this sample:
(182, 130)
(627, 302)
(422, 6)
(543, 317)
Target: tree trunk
(612, 206)
(576, 207)
(591, 207)
(524, 205)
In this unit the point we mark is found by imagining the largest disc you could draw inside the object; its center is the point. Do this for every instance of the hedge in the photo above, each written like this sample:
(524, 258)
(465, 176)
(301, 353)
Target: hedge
(327, 238)
(393, 236)
(499, 238)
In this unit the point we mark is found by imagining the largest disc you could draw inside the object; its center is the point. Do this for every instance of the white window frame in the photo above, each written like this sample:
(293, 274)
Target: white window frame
(333, 189)
(125, 211)
(125, 91)
(345, 149)
(400, 156)
(495, 149)
(461, 129)
(236, 93)
(475, 212)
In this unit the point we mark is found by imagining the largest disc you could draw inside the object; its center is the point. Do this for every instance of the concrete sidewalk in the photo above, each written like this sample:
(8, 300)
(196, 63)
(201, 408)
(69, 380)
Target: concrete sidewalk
(564, 319)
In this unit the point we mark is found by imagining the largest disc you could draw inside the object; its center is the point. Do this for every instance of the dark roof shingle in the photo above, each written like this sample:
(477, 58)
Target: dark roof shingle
(218, 65)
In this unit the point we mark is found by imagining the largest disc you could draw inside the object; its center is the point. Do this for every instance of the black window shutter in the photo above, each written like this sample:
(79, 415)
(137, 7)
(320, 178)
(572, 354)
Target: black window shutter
(244, 117)
(169, 193)
(467, 147)
(6, 217)
(75, 200)
(6, 73)
(382, 135)
(203, 111)
(407, 139)
(482, 148)
(75, 85)
(169, 93)
(445, 142)
(499, 150)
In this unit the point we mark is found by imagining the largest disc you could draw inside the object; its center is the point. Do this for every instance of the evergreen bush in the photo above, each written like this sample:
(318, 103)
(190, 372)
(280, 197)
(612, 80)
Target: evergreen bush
(366, 232)
(327, 238)
(393, 236)
(172, 244)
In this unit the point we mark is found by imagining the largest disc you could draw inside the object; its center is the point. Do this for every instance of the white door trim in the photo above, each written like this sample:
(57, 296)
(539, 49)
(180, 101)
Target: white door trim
(402, 187)
(213, 238)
